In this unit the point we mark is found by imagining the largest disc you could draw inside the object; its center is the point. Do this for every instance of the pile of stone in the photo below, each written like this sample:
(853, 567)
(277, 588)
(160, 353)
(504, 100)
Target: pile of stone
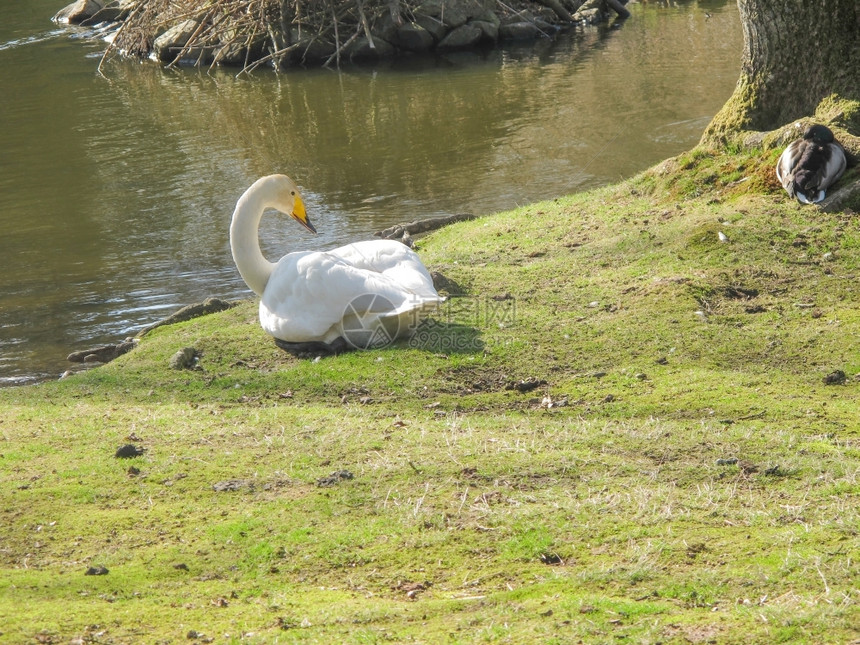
(286, 33)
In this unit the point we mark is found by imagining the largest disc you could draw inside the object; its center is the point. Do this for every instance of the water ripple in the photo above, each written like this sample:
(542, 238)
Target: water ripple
(32, 39)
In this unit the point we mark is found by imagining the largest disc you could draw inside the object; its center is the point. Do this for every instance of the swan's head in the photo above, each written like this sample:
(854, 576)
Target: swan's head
(285, 197)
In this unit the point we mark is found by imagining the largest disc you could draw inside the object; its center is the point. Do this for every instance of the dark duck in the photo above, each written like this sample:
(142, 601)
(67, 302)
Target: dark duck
(810, 165)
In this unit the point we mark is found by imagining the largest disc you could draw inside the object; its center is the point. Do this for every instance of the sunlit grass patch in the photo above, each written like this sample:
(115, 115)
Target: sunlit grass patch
(626, 429)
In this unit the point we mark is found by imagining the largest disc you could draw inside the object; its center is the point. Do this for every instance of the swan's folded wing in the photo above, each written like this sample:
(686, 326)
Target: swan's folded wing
(309, 294)
(393, 260)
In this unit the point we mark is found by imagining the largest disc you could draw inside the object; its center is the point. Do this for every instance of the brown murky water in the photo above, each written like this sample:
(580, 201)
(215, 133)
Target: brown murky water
(116, 192)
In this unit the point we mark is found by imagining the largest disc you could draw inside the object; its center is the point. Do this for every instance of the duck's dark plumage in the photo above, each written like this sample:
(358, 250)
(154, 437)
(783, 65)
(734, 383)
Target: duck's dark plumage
(810, 165)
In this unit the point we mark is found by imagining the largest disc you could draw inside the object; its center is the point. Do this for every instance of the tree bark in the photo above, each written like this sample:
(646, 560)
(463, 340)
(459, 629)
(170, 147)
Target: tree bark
(797, 53)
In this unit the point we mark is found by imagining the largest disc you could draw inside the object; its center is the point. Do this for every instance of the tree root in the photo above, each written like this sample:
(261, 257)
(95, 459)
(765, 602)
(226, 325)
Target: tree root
(404, 232)
(208, 306)
(839, 199)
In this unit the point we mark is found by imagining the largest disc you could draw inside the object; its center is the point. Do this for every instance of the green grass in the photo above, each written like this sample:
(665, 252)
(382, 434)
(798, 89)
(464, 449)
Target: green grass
(681, 473)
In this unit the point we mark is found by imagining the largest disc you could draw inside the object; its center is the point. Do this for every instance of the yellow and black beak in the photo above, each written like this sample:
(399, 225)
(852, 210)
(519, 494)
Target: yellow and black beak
(300, 215)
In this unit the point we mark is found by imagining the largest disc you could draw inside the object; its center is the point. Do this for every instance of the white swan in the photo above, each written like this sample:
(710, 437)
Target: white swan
(360, 295)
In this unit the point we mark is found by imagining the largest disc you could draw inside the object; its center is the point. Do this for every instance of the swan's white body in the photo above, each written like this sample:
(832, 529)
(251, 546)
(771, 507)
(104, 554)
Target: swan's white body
(351, 292)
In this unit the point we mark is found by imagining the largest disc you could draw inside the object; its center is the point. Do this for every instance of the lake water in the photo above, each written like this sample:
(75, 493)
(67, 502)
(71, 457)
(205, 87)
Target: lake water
(116, 191)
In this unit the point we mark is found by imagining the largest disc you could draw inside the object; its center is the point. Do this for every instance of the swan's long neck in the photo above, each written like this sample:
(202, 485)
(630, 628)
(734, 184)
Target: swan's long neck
(245, 239)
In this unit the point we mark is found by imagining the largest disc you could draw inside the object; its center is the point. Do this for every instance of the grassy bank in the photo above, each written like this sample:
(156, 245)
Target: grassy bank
(630, 429)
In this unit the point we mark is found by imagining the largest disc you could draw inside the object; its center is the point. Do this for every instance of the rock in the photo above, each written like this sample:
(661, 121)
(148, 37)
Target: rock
(489, 29)
(128, 451)
(835, 378)
(450, 13)
(484, 14)
(231, 485)
(78, 12)
(433, 25)
(172, 42)
(311, 50)
(588, 16)
(526, 385)
(360, 50)
(238, 53)
(111, 13)
(462, 37)
(520, 31)
(96, 571)
(454, 13)
(412, 37)
(185, 358)
(335, 478)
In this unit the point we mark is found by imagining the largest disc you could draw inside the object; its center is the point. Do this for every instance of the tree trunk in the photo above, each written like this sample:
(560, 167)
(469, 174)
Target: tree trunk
(796, 54)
